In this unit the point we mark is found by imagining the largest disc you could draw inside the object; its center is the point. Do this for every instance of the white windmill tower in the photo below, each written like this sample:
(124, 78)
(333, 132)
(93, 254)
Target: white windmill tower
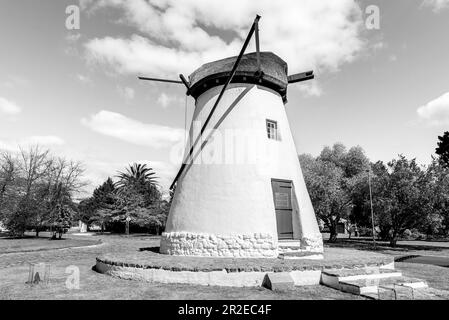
(240, 191)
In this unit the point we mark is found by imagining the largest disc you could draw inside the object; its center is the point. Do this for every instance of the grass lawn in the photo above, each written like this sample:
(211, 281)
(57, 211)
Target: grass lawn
(403, 248)
(14, 269)
(31, 243)
(14, 273)
(436, 277)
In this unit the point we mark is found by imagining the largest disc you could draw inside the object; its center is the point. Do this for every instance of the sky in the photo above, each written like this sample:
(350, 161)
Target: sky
(76, 91)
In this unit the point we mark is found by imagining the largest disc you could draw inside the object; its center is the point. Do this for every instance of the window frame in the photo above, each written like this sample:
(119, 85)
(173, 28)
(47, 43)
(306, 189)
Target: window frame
(271, 126)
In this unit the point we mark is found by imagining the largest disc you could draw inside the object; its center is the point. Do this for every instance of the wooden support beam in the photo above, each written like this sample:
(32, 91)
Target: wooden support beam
(231, 75)
(160, 80)
(256, 35)
(304, 76)
(186, 83)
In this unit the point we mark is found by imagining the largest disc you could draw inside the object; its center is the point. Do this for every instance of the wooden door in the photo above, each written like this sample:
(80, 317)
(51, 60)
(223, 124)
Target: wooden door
(282, 197)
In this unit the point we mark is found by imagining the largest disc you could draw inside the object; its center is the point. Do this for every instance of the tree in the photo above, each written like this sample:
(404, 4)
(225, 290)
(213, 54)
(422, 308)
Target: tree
(23, 203)
(63, 179)
(100, 206)
(438, 222)
(326, 189)
(136, 175)
(443, 149)
(333, 180)
(33, 185)
(61, 219)
(8, 176)
(137, 192)
(8, 172)
(403, 197)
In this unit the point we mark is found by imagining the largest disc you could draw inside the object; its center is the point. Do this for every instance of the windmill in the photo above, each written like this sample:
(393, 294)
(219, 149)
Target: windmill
(251, 208)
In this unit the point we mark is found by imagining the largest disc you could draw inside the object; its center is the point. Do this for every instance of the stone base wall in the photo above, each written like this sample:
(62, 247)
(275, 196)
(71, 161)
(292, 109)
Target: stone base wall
(257, 245)
(312, 243)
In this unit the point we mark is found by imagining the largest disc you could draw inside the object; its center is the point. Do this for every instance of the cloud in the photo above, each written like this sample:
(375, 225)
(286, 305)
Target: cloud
(83, 79)
(166, 100)
(45, 141)
(72, 37)
(127, 93)
(436, 112)
(8, 107)
(15, 81)
(311, 89)
(393, 58)
(72, 41)
(180, 36)
(436, 5)
(121, 127)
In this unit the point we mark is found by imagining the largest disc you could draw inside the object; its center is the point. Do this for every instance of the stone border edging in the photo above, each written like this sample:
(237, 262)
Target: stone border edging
(209, 278)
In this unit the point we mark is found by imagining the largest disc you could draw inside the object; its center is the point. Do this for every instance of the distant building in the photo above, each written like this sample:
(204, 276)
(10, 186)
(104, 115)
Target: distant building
(342, 226)
(2, 227)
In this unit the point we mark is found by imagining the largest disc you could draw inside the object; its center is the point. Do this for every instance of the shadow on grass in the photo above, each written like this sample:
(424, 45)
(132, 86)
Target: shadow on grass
(380, 246)
(26, 237)
(152, 249)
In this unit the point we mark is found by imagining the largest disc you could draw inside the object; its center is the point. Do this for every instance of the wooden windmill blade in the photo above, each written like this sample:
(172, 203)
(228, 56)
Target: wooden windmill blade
(236, 204)
(231, 75)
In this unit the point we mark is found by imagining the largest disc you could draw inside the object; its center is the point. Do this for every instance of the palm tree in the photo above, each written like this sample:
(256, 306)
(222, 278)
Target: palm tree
(135, 175)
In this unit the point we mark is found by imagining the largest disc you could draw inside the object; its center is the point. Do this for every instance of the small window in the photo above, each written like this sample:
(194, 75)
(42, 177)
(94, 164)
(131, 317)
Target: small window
(272, 130)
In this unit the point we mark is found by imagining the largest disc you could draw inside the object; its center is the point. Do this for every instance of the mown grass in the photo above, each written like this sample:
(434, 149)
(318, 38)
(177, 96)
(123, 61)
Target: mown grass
(31, 243)
(95, 286)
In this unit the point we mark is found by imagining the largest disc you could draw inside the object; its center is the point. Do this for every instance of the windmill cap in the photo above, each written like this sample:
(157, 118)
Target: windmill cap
(212, 74)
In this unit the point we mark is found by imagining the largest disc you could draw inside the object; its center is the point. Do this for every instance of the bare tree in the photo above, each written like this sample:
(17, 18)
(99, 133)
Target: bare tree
(35, 164)
(8, 172)
(63, 180)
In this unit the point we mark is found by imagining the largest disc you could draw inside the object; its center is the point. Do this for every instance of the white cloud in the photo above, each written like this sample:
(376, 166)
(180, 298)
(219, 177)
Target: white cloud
(436, 112)
(306, 33)
(72, 37)
(45, 141)
(166, 100)
(15, 81)
(436, 5)
(393, 58)
(72, 41)
(83, 78)
(127, 93)
(9, 107)
(311, 89)
(121, 127)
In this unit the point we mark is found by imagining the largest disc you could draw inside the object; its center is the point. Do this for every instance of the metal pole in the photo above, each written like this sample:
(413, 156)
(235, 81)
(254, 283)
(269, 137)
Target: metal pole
(371, 203)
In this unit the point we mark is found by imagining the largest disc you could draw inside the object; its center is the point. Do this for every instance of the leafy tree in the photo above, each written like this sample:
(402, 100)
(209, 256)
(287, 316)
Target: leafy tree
(61, 219)
(137, 193)
(403, 197)
(443, 149)
(333, 180)
(100, 207)
(438, 222)
(136, 175)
